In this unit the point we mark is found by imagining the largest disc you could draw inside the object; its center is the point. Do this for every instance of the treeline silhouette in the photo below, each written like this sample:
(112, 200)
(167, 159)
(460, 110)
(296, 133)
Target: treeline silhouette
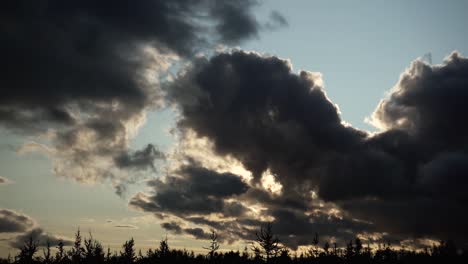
(266, 249)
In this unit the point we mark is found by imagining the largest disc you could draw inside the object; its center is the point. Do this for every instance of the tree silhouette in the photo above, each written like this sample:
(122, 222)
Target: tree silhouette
(214, 245)
(93, 251)
(314, 251)
(46, 252)
(326, 248)
(163, 250)
(77, 251)
(268, 243)
(128, 254)
(60, 255)
(27, 251)
(266, 249)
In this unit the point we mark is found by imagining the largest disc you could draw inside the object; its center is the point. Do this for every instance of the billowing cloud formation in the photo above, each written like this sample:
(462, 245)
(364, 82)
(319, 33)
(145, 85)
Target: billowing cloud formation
(406, 181)
(12, 221)
(243, 102)
(425, 133)
(83, 74)
(40, 237)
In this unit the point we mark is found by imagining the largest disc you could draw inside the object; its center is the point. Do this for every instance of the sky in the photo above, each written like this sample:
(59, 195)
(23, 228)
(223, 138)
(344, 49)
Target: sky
(152, 119)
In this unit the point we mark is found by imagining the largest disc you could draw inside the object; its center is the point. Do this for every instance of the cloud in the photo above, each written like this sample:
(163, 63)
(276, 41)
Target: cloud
(5, 181)
(192, 190)
(427, 102)
(140, 159)
(263, 102)
(82, 76)
(412, 186)
(38, 235)
(12, 221)
(15, 222)
(277, 20)
(172, 226)
(126, 226)
(197, 232)
(423, 132)
(405, 182)
(234, 20)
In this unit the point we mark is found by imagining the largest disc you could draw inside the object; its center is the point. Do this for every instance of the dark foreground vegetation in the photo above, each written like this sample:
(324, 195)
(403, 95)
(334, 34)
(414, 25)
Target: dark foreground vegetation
(266, 249)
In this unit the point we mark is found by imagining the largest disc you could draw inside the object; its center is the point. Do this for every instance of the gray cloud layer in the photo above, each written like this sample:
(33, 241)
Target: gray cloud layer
(407, 180)
(85, 73)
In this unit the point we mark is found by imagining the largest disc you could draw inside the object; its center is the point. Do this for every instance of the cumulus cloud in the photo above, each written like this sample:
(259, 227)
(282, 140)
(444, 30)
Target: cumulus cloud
(83, 75)
(413, 186)
(405, 182)
(423, 131)
(428, 102)
(12, 221)
(263, 102)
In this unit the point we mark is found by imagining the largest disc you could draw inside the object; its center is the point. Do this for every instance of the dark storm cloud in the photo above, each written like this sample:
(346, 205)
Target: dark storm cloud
(172, 226)
(429, 103)
(446, 176)
(256, 109)
(140, 159)
(228, 231)
(407, 181)
(426, 139)
(192, 190)
(60, 52)
(417, 216)
(303, 227)
(413, 183)
(235, 221)
(244, 101)
(12, 221)
(234, 20)
(198, 233)
(40, 237)
(362, 174)
(89, 69)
